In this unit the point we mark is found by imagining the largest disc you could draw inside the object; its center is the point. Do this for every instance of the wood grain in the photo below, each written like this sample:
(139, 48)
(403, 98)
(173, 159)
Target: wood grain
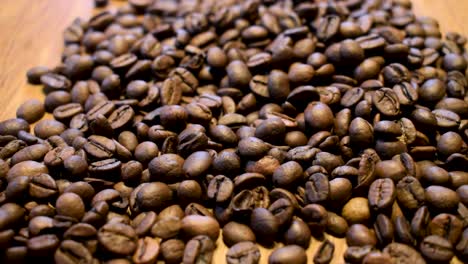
(31, 35)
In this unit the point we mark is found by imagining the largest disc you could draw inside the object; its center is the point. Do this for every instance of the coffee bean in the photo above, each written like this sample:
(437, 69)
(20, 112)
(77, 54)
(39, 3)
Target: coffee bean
(382, 193)
(152, 196)
(446, 225)
(43, 245)
(325, 252)
(298, 233)
(31, 110)
(410, 193)
(317, 188)
(165, 228)
(195, 225)
(356, 210)
(441, 198)
(264, 224)
(220, 189)
(234, 233)
(319, 116)
(403, 253)
(384, 229)
(436, 248)
(357, 254)
(199, 250)
(118, 239)
(71, 251)
(288, 254)
(287, 174)
(243, 252)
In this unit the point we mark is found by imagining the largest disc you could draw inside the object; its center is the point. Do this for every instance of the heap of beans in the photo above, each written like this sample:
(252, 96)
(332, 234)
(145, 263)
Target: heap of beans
(266, 121)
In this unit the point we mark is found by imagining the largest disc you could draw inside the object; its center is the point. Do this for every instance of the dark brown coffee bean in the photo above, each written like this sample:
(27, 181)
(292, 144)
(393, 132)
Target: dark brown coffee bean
(172, 250)
(117, 238)
(288, 254)
(328, 27)
(99, 147)
(360, 235)
(234, 233)
(151, 196)
(71, 251)
(325, 253)
(317, 188)
(437, 248)
(403, 253)
(243, 252)
(31, 110)
(298, 233)
(386, 101)
(34, 74)
(382, 194)
(220, 189)
(167, 167)
(199, 249)
(446, 225)
(54, 82)
(238, 74)
(395, 73)
(167, 227)
(410, 193)
(441, 198)
(357, 254)
(360, 133)
(195, 225)
(403, 231)
(43, 245)
(287, 174)
(384, 229)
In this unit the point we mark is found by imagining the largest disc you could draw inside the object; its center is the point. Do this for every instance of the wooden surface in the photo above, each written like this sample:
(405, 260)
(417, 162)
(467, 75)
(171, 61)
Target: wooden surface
(31, 35)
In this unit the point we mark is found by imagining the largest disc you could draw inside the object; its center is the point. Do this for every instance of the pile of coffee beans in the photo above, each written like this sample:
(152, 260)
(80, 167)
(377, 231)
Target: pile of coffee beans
(176, 121)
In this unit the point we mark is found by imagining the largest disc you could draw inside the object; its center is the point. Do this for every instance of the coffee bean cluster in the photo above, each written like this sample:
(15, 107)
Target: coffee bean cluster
(267, 121)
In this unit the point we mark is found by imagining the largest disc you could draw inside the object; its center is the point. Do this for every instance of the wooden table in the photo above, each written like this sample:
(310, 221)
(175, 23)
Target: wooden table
(31, 35)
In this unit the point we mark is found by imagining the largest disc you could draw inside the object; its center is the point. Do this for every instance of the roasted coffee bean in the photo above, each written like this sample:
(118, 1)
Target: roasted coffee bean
(446, 225)
(436, 248)
(288, 254)
(403, 231)
(384, 229)
(234, 233)
(220, 189)
(194, 225)
(243, 252)
(54, 82)
(325, 252)
(410, 193)
(99, 147)
(360, 235)
(357, 254)
(152, 196)
(441, 198)
(167, 227)
(264, 224)
(356, 210)
(317, 188)
(31, 110)
(199, 249)
(287, 174)
(71, 251)
(43, 245)
(298, 233)
(382, 193)
(118, 239)
(172, 250)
